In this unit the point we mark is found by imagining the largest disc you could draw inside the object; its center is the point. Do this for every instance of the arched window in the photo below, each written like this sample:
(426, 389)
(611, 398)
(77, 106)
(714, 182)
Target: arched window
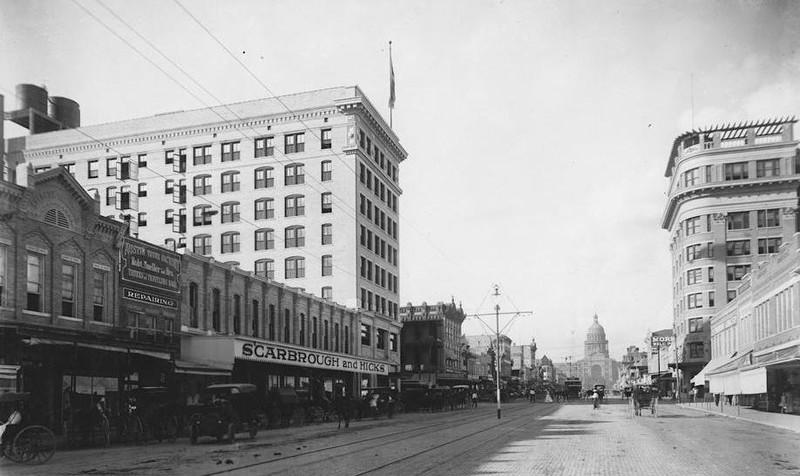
(295, 206)
(295, 267)
(230, 212)
(327, 234)
(327, 202)
(194, 307)
(293, 174)
(325, 335)
(263, 177)
(57, 218)
(264, 239)
(286, 318)
(264, 208)
(271, 322)
(254, 320)
(295, 237)
(327, 170)
(231, 181)
(216, 310)
(202, 185)
(265, 268)
(327, 265)
(237, 314)
(230, 242)
(302, 329)
(201, 245)
(202, 215)
(314, 332)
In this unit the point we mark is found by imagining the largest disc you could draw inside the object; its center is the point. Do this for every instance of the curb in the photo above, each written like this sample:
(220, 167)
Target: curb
(740, 418)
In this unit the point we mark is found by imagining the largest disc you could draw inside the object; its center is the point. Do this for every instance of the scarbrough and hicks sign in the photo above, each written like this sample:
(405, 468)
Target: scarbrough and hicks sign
(291, 355)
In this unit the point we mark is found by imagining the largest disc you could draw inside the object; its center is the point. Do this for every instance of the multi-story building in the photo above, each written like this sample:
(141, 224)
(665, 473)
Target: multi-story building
(302, 189)
(731, 202)
(433, 351)
(523, 362)
(634, 366)
(755, 339)
(487, 344)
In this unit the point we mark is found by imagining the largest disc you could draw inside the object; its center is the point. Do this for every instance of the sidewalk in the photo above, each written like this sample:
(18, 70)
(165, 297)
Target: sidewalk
(777, 420)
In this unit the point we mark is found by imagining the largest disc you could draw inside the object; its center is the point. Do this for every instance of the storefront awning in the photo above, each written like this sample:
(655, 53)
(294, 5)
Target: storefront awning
(108, 348)
(197, 368)
(753, 381)
(788, 355)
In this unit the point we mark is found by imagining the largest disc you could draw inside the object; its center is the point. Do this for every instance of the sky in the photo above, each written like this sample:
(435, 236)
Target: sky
(538, 132)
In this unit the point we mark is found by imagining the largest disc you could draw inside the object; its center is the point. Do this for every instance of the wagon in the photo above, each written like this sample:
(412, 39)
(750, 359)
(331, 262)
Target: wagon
(24, 443)
(645, 398)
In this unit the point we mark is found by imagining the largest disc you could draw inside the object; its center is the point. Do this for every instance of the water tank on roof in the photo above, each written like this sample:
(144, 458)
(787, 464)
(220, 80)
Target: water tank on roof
(66, 111)
(33, 97)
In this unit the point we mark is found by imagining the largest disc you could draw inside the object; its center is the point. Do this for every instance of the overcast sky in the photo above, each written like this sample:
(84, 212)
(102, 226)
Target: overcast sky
(538, 132)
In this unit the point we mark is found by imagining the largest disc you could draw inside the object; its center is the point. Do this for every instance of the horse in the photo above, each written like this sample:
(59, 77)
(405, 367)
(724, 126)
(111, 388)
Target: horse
(345, 408)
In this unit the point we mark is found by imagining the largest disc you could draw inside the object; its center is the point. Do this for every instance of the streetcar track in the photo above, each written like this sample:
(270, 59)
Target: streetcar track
(459, 422)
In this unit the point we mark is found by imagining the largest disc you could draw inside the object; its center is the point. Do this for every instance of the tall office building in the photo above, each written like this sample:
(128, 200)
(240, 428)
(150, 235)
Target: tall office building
(732, 201)
(302, 189)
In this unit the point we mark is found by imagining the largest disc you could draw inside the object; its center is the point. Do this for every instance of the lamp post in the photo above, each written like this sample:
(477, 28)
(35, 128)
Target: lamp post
(496, 300)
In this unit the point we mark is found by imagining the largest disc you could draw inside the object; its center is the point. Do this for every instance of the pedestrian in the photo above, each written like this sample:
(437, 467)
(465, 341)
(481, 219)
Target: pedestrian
(474, 399)
(373, 405)
(532, 395)
(782, 405)
(694, 394)
(547, 397)
(595, 399)
(390, 406)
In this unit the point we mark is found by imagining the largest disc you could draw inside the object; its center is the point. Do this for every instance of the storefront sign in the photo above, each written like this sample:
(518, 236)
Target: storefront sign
(144, 264)
(291, 355)
(148, 297)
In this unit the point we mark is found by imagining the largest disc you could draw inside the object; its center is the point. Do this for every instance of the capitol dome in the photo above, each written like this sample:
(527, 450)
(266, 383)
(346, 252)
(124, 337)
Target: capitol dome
(596, 333)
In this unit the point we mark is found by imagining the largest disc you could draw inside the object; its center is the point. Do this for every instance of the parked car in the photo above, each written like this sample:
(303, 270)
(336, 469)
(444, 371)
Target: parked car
(224, 410)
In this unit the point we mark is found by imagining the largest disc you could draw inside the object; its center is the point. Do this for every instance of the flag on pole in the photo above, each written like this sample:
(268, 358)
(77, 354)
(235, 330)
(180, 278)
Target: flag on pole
(391, 79)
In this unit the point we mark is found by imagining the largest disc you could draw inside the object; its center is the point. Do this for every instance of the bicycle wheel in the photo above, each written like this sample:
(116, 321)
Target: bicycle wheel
(35, 445)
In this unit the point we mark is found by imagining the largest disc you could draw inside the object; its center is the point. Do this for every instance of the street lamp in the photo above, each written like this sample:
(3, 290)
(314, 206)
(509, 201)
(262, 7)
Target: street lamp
(496, 300)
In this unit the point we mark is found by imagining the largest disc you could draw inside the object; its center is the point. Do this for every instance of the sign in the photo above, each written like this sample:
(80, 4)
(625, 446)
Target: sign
(148, 297)
(271, 352)
(144, 264)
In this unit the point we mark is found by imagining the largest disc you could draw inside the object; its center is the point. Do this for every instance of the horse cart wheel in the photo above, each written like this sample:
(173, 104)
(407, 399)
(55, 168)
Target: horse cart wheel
(33, 445)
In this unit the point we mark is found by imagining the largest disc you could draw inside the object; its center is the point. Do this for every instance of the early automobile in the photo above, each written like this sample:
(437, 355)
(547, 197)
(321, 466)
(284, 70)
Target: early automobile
(224, 410)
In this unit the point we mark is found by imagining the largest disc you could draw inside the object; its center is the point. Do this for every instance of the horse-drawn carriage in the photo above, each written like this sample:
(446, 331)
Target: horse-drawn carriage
(644, 397)
(21, 439)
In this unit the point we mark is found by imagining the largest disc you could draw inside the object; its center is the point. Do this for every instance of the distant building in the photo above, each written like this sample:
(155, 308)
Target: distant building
(597, 367)
(487, 344)
(634, 366)
(523, 362)
(732, 201)
(433, 351)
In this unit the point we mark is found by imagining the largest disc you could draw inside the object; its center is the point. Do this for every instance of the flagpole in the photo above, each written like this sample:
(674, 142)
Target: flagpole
(391, 87)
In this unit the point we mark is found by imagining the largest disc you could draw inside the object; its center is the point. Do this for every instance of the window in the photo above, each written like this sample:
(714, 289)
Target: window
(142, 159)
(327, 293)
(271, 323)
(35, 282)
(230, 212)
(295, 267)
(264, 147)
(3, 274)
(696, 325)
(325, 339)
(201, 215)
(69, 273)
(711, 298)
(731, 295)
(327, 202)
(694, 301)
(691, 177)
(696, 350)
(327, 234)
(295, 237)
(365, 334)
(768, 168)
(327, 170)
(393, 342)
(111, 167)
(230, 242)
(111, 196)
(94, 168)
(169, 157)
(202, 185)
(738, 248)
(216, 310)
(693, 276)
(265, 239)
(294, 143)
(264, 178)
(265, 268)
(194, 305)
(736, 171)
(169, 243)
(294, 174)
(142, 189)
(710, 274)
(736, 272)
(142, 219)
(738, 221)
(237, 314)
(202, 245)
(230, 182)
(336, 337)
(768, 245)
(99, 281)
(769, 218)
(327, 265)
(295, 205)
(202, 155)
(264, 208)
(325, 139)
(692, 226)
(169, 187)
(380, 338)
(230, 151)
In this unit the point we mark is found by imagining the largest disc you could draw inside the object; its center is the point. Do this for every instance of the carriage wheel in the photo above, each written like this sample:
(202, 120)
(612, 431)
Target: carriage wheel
(34, 445)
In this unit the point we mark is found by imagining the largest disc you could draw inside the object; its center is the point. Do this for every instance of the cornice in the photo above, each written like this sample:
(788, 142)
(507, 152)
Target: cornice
(97, 143)
(358, 106)
(711, 189)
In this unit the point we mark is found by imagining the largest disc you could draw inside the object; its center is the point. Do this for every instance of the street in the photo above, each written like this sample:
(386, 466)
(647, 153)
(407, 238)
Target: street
(551, 439)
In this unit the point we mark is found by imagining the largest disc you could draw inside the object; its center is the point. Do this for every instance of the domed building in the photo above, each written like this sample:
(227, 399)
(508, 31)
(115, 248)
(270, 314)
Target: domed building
(597, 367)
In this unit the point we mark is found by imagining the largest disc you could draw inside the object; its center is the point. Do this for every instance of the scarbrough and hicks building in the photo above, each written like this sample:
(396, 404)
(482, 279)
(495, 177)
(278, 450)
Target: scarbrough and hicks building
(732, 202)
